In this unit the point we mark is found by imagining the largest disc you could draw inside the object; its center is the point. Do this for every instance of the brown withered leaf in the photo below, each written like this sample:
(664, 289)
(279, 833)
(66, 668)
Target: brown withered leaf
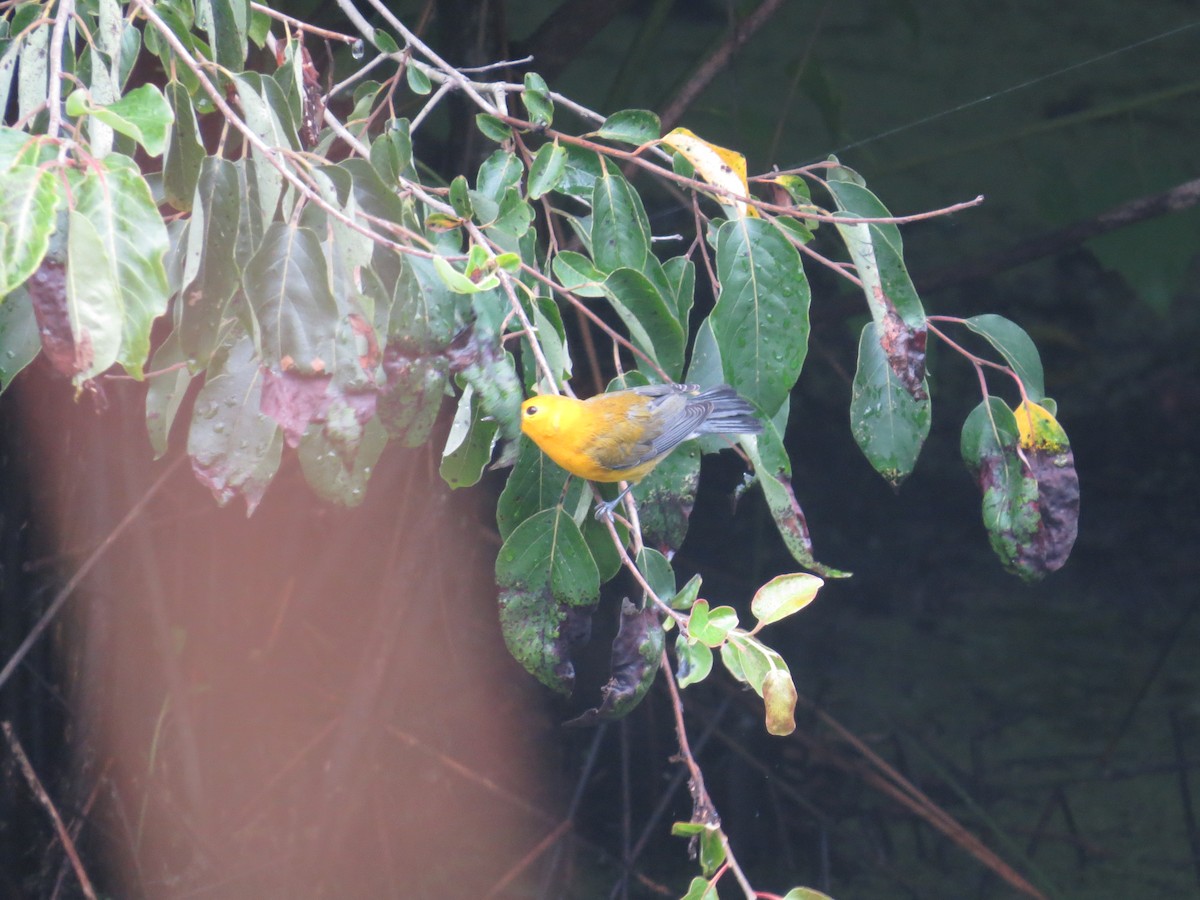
(905, 350)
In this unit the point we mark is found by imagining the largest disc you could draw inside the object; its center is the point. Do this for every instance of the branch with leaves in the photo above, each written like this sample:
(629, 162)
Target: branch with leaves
(322, 291)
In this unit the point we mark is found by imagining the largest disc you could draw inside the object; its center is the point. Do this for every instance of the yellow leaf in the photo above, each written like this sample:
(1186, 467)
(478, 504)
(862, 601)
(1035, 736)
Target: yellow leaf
(1038, 429)
(716, 165)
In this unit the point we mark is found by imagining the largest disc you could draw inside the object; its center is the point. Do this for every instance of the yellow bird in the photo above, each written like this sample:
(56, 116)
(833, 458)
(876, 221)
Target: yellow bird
(622, 435)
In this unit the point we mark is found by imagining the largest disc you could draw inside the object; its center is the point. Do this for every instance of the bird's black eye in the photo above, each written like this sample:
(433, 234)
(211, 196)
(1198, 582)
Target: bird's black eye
(531, 410)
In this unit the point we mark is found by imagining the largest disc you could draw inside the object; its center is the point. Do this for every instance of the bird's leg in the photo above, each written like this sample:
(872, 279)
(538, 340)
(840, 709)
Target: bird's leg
(604, 509)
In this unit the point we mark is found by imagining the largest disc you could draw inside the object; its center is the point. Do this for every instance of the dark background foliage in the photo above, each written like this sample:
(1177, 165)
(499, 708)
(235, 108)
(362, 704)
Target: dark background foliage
(1058, 721)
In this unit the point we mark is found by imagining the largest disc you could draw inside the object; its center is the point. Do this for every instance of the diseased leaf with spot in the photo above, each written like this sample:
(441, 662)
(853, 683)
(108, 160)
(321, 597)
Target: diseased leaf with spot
(888, 422)
(636, 657)
(548, 585)
(1031, 511)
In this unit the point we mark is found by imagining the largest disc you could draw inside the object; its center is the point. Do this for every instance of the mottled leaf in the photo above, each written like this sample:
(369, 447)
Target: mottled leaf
(888, 422)
(235, 448)
(784, 595)
(636, 657)
(547, 580)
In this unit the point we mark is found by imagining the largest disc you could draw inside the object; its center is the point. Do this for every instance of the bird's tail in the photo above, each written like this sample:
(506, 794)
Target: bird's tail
(731, 413)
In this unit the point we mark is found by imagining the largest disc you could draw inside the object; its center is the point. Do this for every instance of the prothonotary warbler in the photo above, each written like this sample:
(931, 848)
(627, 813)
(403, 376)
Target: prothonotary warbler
(622, 435)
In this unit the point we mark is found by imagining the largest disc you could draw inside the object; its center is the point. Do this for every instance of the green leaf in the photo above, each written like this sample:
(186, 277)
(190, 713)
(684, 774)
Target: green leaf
(620, 228)
(469, 445)
(577, 274)
(760, 320)
(547, 169)
(493, 128)
(803, 893)
(652, 325)
(409, 405)
(534, 485)
(513, 217)
(712, 850)
(680, 273)
(165, 392)
(631, 126)
(30, 198)
(667, 495)
(497, 174)
(711, 626)
(334, 473)
(583, 169)
(235, 448)
(687, 594)
(33, 71)
(545, 573)
(536, 98)
(20, 339)
(700, 889)
(878, 255)
(287, 286)
(784, 595)
(117, 201)
(93, 299)
(184, 152)
(143, 114)
(1017, 348)
(226, 23)
(212, 277)
(259, 28)
(694, 661)
(888, 423)
(460, 283)
(656, 569)
(387, 44)
(267, 115)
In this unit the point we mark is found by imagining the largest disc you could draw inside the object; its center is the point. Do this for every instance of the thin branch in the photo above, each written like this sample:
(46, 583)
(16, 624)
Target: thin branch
(35, 785)
(304, 26)
(69, 588)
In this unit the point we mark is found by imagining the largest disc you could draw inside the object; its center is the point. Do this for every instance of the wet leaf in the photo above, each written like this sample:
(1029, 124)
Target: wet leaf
(294, 400)
(878, 254)
(548, 585)
(184, 151)
(760, 320)
(620, 228)
(412, 397)
(636, 657)
(652, 325)
(889, 423)
(19, 338)
(287, 286)
(235, 448)
(165, 392)
(213, 277)
(339, 472)
(94, 307)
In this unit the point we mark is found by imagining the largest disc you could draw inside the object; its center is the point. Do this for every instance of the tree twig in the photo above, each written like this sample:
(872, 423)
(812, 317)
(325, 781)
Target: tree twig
(35, 785)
